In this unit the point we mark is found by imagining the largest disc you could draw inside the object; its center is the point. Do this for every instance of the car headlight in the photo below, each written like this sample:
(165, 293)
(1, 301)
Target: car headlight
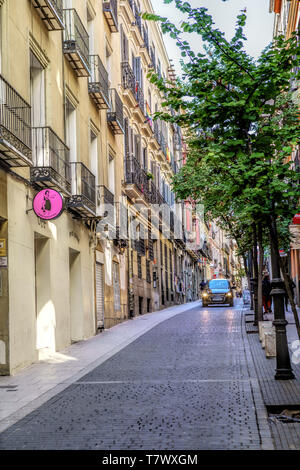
(229, 294)
(205, 294)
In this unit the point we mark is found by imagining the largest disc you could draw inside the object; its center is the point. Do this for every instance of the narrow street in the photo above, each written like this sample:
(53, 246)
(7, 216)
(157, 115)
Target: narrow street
(187, 383)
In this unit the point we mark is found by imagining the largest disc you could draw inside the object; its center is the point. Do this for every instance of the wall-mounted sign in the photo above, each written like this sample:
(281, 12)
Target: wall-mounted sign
(3, 261)
(2, 246)
(48, 204)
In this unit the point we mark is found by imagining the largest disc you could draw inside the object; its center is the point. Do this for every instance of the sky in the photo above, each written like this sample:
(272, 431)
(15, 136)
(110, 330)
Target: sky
(258, 30)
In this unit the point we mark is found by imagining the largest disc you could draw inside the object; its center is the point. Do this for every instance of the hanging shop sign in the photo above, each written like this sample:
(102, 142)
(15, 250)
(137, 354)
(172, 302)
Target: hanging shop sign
(48, 204)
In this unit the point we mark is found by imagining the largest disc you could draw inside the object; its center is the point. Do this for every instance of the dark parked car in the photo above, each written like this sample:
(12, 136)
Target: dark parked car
(218, 292)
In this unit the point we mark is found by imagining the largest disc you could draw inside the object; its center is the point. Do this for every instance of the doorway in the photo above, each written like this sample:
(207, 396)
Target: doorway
(45, 310)
(76, 300)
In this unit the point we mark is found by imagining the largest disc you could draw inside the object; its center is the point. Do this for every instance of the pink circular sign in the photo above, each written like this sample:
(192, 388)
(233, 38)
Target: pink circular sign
(48, 204)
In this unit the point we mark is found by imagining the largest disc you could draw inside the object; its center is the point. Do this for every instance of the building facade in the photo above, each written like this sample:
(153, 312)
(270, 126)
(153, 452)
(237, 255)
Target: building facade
(286, 21)
(76, 112)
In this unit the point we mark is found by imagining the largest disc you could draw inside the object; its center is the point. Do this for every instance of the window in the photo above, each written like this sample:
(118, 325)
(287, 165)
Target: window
(71, 136)
(37, 92)
(124, 46)
(145, 159)
(116, 285)
(90, 29)
(108, 52)
(139, 265)
(111, 173)
(94, 156)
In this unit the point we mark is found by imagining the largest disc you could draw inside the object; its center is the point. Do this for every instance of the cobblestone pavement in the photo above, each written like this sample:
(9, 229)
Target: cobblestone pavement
(188, 383)
(281, 394)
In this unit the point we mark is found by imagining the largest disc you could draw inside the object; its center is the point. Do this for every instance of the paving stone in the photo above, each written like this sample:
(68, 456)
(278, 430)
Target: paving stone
(188, 383)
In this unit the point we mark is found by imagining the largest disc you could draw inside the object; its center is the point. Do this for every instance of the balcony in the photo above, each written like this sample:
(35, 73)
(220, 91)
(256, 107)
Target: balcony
(156, 197)
(145, 48)
(128, 10)
(98, 83)
(110, 10)
(76, 43)
(136, 181)
(83, 199)
(15, 127)
(115, 116)
(51, 160)
(137, 25)
(152, 59)
(132, 89)
(106, 209)
(51, 12)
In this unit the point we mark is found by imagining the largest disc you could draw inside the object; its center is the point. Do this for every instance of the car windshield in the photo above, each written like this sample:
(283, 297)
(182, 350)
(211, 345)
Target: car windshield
(218, 284)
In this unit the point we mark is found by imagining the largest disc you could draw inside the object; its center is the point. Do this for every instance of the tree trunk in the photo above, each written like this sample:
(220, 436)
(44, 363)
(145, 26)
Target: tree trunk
(250, 277)
(260, 268)
(246, 271)
(283, 363)
(255, 274)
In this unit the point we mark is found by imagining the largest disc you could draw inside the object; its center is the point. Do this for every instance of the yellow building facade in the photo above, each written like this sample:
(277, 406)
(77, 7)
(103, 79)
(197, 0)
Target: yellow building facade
(75, 116)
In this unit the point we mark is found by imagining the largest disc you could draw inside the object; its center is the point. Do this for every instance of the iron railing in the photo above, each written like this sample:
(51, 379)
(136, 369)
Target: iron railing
(163, 144)
(49, 151)
(98, 80)
(145, 38)
(111, 7)
(51, 12)
(105, 195)
(135, 174)
(115, 114)
(129, 82)
(15, 119)
(138, 18)
(157, 131)
(75, 35)
(83, 181)
(128, 78)
(153, 60)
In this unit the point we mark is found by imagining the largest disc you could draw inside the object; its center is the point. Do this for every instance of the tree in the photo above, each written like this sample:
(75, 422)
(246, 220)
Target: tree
(242, 126)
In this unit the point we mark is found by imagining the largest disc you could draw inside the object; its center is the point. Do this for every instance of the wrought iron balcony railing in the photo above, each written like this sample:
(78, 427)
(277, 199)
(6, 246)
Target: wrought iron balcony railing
(163, 144)
(110, 10)
(51, 12)
(156, 196)
(104, 195)
(15, 127)
(128, 78)
(129, 82)
(138, 18)
(76, 43)
(106, 208)
(140, 97)
(153, 60)
(51, 160)
(136, 175)
(115, 116)
(157, 132)
(98, 83)
(83, 199)
(146, 38)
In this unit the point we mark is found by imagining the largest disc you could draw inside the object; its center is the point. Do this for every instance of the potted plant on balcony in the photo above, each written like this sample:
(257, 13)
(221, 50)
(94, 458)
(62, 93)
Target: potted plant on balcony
(149, 176)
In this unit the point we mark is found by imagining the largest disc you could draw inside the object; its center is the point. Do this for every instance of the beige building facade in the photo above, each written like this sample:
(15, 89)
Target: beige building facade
(75, 117)
(76, 112)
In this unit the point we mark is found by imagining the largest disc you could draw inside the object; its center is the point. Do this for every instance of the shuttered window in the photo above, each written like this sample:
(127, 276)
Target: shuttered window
(100, 294)
(116, 285)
